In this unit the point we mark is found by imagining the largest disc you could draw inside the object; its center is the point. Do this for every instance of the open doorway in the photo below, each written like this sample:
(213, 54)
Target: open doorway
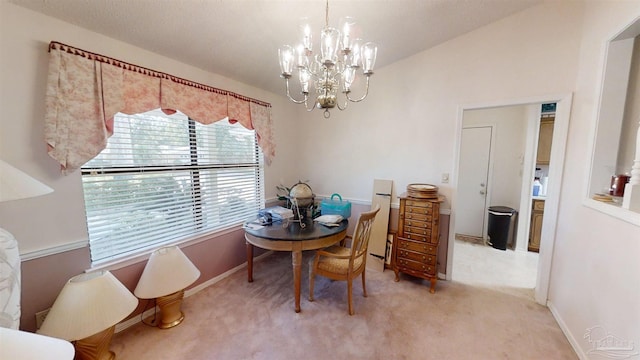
(511, 172)
(491, 168)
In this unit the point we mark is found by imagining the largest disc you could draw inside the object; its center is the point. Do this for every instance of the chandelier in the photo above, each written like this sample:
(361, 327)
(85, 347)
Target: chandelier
(333, 69)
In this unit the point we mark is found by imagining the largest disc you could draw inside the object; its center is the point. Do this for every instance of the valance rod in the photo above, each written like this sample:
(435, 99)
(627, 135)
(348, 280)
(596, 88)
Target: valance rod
(148, 72)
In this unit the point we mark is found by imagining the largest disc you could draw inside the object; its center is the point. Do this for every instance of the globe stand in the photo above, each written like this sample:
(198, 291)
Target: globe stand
(300, 213)
(302, 201)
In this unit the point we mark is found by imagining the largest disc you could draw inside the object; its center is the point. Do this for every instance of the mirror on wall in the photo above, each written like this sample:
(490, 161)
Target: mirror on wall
(618, 118)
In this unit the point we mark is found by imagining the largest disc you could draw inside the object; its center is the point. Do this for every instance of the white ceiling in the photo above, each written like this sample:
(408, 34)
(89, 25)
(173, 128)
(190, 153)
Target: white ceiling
(239, 38)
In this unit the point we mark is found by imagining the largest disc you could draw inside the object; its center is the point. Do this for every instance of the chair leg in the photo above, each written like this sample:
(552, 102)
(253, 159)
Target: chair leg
(364, 287)
(349, 295)
(312, 278)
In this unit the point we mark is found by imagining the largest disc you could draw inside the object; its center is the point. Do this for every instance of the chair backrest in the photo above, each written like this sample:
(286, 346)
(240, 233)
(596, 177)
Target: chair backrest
(360, 240)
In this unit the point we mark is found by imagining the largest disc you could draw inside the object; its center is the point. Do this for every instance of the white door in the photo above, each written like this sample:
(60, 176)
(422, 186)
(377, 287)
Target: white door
(473, 173)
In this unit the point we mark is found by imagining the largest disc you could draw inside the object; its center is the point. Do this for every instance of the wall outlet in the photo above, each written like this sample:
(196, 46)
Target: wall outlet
(40, 316)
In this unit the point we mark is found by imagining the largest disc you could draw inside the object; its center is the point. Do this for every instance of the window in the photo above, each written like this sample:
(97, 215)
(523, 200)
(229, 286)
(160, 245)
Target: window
(164, 179)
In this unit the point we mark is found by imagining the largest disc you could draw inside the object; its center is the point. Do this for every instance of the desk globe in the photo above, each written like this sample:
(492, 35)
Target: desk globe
(302, 199)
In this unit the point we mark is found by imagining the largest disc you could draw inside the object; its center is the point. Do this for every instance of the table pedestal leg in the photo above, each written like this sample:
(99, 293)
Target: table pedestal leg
(249, 262)
(296, 260)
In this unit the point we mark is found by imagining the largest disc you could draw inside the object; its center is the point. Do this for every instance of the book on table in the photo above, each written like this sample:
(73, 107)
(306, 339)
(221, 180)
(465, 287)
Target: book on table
(278, 212)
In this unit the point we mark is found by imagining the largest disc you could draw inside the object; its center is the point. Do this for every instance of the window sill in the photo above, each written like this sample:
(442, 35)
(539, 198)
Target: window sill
(614, 209)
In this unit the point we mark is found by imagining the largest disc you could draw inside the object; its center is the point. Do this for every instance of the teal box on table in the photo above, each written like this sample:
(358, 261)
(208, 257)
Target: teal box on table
(335, 206)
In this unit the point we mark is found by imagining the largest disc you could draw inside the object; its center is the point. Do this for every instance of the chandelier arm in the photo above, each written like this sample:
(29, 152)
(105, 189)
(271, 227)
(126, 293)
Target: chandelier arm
(346, 103)
(314, 75)
(363, 96)
(303, 101)
(306, 105)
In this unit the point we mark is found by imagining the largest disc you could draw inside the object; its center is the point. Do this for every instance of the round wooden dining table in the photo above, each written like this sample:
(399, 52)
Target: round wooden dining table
(290, 236)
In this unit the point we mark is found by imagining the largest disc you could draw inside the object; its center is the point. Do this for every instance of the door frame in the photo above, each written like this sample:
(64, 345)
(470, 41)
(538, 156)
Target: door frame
(556, 169)
(489, 184)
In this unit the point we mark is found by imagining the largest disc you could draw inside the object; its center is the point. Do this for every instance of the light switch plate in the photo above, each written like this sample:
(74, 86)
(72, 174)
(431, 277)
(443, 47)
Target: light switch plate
(445, 178)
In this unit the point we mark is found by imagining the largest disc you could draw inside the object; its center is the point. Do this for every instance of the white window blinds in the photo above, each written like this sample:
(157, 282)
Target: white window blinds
(164, 179)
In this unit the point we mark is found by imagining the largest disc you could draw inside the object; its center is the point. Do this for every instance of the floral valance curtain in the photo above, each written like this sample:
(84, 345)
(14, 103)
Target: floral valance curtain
(85, 91)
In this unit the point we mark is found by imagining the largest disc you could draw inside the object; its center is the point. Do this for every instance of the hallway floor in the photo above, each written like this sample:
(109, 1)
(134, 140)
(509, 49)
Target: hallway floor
(509, 271)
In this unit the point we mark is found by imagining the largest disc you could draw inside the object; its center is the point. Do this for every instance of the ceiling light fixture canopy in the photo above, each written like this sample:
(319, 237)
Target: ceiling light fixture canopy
(334, 68)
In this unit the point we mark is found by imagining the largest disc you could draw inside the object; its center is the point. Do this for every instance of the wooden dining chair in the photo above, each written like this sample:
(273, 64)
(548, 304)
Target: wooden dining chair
(339, 262)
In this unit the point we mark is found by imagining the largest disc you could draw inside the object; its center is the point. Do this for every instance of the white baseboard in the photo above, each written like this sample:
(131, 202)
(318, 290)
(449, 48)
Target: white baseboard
(565, 329)
(194, 290)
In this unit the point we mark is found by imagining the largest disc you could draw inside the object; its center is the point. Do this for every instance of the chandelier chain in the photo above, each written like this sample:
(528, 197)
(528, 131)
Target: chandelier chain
(326, 15)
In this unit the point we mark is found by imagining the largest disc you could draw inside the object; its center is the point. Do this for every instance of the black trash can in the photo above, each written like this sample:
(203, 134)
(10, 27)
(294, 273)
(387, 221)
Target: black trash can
(502, 226)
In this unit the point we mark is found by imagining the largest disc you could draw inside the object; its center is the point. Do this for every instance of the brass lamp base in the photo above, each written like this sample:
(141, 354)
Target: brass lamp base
(171, 315)
(95, 347)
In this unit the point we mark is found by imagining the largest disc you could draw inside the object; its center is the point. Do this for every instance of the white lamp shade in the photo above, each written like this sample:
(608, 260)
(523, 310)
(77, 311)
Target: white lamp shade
(88, 303)
(15, 184)
(168, 270)
(15, 344)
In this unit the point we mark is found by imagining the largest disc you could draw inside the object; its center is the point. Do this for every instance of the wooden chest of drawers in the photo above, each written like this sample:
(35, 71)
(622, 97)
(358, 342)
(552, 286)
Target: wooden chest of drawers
(416, 249)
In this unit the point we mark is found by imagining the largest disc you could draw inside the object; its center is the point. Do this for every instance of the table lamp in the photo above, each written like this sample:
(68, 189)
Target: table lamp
(23, 345)
(86, 312)
(167, 273)
(14, 185)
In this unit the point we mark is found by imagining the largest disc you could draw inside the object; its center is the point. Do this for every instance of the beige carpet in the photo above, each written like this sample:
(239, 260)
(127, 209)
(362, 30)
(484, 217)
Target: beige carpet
(512, 272)
(234, 319)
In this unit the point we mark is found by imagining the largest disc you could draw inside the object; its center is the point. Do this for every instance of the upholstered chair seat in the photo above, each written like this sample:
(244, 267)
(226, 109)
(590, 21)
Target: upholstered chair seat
(339, 262)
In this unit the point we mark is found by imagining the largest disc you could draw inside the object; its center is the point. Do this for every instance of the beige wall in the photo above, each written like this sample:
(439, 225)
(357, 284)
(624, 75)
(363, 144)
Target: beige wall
(405, 131)
(595, 275)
